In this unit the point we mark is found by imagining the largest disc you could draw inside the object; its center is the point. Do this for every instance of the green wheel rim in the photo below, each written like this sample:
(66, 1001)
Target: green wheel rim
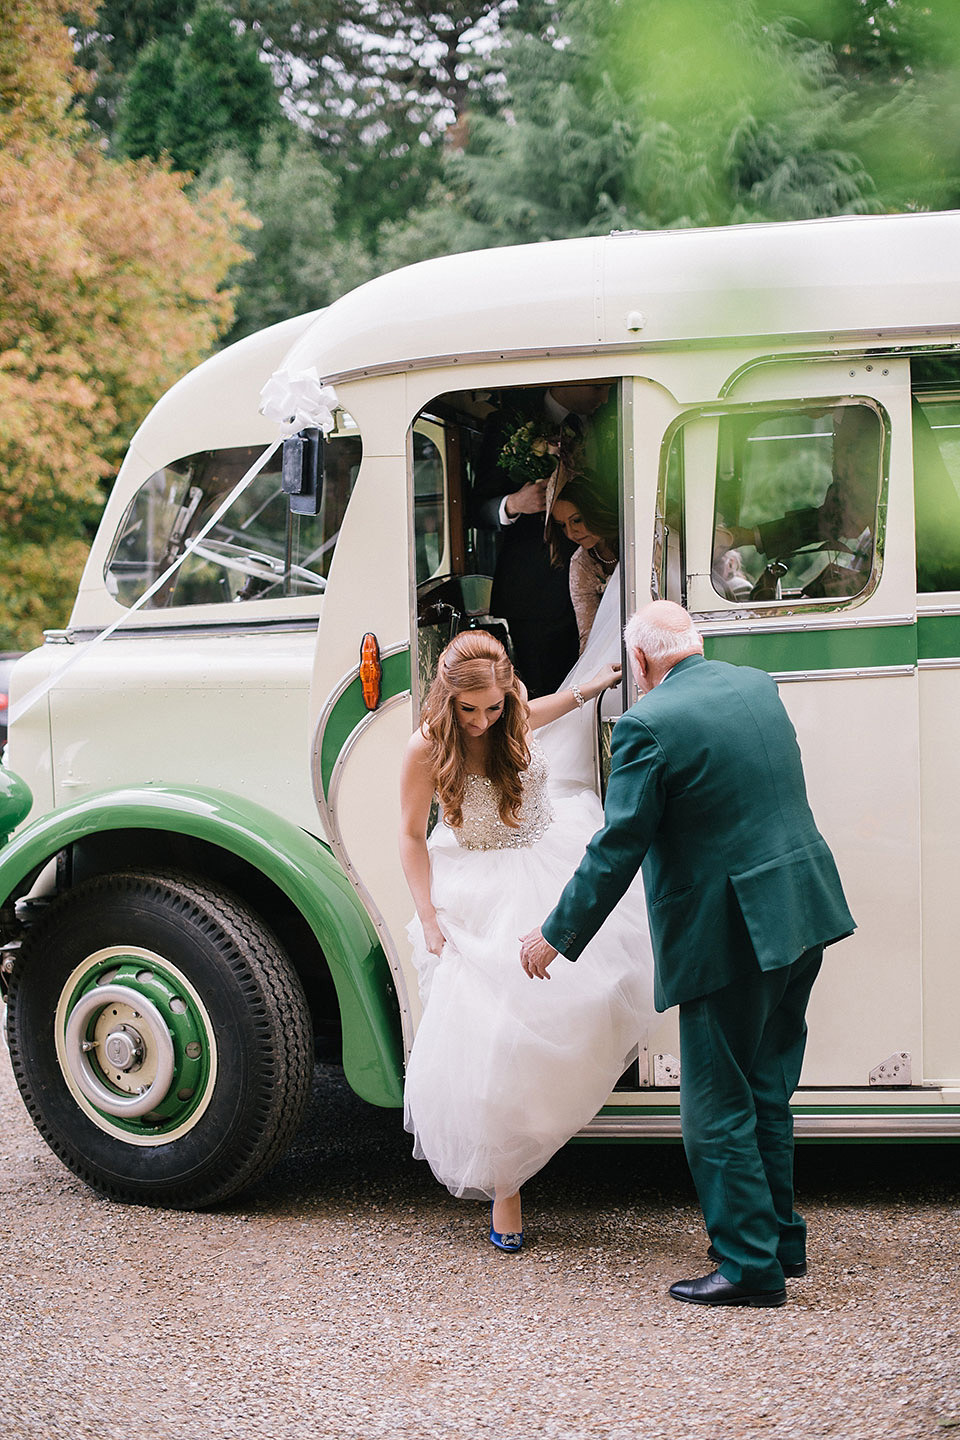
(135, 1045)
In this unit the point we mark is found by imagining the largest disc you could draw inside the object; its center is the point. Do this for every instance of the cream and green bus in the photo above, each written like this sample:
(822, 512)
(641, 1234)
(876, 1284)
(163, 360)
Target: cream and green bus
(199, 878)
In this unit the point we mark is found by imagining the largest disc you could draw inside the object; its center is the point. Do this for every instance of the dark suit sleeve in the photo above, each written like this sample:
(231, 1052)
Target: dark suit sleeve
(635, 798)
(805, 527)
(492, 483)
(787, 535)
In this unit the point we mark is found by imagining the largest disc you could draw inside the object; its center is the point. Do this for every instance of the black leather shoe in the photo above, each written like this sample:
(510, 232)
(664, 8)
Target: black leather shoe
(713, 1289)
(792, 1272)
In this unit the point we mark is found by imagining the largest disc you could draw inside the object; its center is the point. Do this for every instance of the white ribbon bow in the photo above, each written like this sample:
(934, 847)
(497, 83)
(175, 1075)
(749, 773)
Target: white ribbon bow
(297, 399)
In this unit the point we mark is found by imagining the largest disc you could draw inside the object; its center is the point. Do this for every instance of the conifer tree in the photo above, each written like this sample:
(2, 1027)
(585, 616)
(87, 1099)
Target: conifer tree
(145, 105)
(110, 39)
(192, 92)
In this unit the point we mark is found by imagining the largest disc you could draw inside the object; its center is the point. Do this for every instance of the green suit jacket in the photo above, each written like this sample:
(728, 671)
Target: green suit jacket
(706, 790)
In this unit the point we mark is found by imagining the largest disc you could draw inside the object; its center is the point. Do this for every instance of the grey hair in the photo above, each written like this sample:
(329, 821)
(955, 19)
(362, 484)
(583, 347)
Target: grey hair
(662, 631)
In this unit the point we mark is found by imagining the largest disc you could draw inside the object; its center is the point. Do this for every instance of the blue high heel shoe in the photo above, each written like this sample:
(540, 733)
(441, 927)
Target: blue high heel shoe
(510, 1241)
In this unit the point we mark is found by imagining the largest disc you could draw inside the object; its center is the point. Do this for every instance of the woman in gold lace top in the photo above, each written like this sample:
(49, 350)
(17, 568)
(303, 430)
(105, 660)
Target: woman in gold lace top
(500, 1076)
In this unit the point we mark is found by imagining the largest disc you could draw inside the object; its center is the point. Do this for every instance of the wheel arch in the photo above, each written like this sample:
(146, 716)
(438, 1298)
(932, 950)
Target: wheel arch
(286, 873)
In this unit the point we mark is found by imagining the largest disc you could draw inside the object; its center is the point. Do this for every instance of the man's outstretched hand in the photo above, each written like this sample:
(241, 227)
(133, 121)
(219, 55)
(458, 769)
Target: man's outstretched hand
(536, 955)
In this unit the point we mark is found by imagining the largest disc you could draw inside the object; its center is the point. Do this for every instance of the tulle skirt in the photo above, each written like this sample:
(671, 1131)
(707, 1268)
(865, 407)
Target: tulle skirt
(505, 1069)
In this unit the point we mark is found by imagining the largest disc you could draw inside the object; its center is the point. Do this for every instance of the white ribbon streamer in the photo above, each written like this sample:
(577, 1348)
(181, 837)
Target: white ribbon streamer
(293, 399)
(19, 708)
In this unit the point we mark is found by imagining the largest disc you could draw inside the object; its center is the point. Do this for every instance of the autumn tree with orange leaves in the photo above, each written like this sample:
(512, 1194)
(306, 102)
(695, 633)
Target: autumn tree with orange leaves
(111, 286)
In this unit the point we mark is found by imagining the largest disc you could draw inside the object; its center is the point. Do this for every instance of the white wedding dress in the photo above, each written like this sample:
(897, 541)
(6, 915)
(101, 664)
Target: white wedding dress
(505, 1069)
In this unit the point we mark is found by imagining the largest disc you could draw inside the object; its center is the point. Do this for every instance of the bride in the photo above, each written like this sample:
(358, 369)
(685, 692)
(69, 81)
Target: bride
(503, 1072)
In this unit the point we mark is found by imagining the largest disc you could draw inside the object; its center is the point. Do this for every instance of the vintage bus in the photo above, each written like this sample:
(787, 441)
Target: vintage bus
(200, 884)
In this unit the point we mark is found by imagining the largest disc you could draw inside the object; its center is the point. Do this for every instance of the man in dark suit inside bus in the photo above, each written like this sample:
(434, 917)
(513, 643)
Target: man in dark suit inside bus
(707, 790)
(529, 592)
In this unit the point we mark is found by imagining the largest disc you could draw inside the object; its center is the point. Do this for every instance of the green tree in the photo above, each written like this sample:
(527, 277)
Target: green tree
(144, 105)
(695, 112)
(887, 43)
(192, 92)
(647, 116)
(109, 42)
(381, 87)
(901, 59)
(758, 121)
(111, 285)
(422, 129)
(297, 262)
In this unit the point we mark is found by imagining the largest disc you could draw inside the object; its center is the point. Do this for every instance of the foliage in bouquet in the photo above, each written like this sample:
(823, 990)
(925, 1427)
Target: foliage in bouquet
(529, 452)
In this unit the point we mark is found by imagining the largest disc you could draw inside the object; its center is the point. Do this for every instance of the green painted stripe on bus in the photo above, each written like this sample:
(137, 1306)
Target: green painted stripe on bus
(350, 710)
(792, 650)
(938, 637)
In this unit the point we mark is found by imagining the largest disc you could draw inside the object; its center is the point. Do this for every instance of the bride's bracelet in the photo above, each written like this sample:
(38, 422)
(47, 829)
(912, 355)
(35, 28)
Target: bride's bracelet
(575, 690)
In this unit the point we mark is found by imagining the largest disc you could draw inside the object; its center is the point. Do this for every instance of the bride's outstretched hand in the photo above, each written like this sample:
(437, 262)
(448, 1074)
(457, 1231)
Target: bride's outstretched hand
(606, 678)
(536, 954)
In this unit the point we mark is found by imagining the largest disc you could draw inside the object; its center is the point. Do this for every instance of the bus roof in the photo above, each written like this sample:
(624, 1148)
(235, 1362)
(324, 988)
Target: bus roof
(876, 276)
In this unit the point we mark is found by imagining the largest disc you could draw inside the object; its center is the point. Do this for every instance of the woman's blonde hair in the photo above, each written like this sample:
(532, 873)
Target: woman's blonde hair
(475, 660)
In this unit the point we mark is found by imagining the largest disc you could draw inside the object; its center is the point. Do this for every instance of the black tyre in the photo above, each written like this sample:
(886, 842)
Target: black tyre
(160, 1039)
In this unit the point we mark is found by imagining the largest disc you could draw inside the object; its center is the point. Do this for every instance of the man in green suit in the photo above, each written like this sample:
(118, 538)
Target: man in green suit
(706, 789)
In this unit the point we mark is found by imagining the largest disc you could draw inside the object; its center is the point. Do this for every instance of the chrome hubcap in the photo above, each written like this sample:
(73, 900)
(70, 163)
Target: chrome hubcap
(123, 1050)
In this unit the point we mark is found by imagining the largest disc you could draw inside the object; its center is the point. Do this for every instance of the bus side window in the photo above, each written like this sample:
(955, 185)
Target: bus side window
(669, 563)
(428, 508)
(797, 504)
(936, 480)
(256, 551)
(452, 588)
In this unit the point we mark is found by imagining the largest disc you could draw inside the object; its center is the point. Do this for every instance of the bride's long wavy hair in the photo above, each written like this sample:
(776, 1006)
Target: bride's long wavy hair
(475, 660)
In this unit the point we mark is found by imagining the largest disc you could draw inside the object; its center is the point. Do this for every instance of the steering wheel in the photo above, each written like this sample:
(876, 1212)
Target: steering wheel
(254, 563)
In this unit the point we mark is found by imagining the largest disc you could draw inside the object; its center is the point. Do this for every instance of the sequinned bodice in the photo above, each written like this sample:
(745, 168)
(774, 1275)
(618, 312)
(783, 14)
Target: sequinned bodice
(482, 828)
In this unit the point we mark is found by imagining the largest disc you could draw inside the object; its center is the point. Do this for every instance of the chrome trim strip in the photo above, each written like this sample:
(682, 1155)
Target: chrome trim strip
(936, 610)
(946, 662)
(483, 357)
(730, 623)
(868, 673)
(876, 1126)
(632, 345)
(640, 1126)
(79, 635)
(327, 810)
(323, 715)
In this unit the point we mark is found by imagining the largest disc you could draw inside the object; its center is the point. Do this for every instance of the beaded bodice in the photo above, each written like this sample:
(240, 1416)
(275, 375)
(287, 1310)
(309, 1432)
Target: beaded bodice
(482, 828)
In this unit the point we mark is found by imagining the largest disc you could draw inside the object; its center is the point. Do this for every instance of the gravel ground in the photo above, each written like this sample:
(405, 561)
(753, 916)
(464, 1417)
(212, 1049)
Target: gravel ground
(348, 1296)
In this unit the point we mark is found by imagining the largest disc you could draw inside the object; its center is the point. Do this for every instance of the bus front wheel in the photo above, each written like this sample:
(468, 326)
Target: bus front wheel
(160, 1038)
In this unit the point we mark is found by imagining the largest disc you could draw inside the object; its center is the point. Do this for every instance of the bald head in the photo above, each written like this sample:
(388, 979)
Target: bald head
(657, 638)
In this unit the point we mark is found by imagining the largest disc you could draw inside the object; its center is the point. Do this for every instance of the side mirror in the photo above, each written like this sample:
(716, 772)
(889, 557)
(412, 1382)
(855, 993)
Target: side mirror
(302, 473)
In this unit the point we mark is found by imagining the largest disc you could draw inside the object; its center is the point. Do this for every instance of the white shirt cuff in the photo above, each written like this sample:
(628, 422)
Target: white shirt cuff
(502, 515)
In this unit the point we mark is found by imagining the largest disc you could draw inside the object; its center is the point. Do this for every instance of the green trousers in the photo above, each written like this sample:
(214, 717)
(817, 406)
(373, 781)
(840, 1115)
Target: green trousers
(741, 1049)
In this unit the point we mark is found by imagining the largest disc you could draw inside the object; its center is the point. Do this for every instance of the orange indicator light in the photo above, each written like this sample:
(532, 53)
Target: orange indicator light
(371, 671)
